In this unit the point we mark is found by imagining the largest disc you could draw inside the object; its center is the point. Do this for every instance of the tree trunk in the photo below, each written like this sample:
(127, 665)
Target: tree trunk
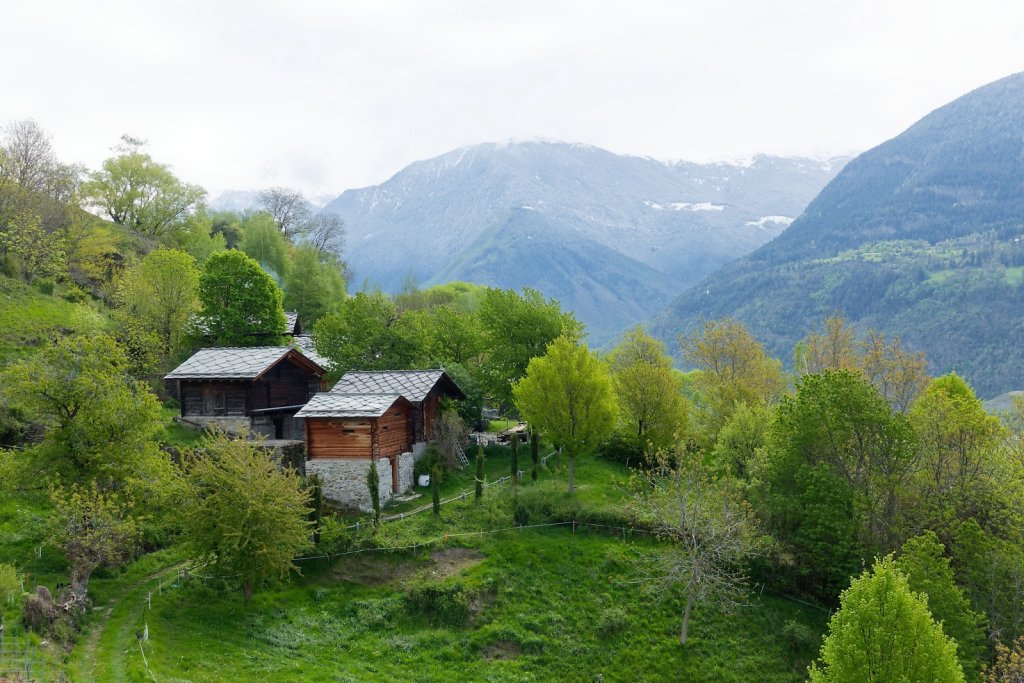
(247, 590)
(79, 587)
(683, 632)
(572, 474)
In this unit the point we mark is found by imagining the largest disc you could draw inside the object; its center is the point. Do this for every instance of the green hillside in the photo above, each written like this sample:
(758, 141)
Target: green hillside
(920, 237)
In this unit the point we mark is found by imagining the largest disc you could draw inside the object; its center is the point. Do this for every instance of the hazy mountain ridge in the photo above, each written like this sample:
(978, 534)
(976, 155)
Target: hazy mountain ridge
(920, 236)
(630, 231)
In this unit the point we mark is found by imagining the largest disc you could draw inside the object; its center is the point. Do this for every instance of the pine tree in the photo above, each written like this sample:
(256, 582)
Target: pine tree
(534, 453)
(373, 483)
(435, 486)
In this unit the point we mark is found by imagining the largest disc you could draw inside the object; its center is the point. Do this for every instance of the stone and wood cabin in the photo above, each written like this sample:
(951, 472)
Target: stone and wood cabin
(257, 389)
(383, 415)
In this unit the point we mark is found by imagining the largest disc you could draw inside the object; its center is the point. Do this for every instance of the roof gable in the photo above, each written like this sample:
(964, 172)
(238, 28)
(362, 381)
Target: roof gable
(414, 385)
(239, 363)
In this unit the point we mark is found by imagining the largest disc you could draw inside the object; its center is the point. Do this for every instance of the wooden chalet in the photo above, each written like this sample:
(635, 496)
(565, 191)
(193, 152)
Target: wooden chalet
(359, 426)
(257, 388)
(423, 388)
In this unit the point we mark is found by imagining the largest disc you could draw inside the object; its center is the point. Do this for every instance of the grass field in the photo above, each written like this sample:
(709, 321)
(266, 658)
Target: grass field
(534, 604)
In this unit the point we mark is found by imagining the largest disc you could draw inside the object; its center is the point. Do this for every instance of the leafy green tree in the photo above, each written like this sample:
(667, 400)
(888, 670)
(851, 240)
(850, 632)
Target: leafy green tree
(743, 437)
(264, 242)
(10, 586)
(884, 633)
(833, 476)
(567, 394)
(240, 304)
(139, 193)
(452, 336)
(711, 533)
(245, 516)
(36, 253)
(435, 487)
(734, 368)
(197, 238)
(373, 484)
(314, 287)
(100, 425)
(961, 472)
(649, 392)
(517, 328)
(991, 571)
(921, 559)
(479, 479)
(1009, 664)
(162, 292)
(367, 333)
(94, 529)
(534, 453)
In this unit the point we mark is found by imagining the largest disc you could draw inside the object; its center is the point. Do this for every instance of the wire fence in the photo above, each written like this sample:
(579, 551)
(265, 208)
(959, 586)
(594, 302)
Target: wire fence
(20, 661)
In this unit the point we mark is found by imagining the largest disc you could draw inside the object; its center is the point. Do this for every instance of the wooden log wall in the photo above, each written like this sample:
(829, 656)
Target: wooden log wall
(338, 438)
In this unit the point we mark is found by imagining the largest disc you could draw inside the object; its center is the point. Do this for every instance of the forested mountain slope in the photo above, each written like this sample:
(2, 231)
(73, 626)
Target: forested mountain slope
(920, 237)
(612, 237)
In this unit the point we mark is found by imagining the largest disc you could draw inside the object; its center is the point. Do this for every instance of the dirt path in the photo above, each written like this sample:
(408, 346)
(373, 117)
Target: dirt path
(86, 662)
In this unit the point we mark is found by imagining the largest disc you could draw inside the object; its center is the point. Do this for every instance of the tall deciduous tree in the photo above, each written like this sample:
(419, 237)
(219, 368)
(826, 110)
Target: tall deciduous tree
(100, 425)
(711, 533)
(325, 232)
(314, 287)
(567, 394)
(289, 209)
(139, 193)
(248, 518)
(367, 333)
(36, 253)
(27, 160)
(518, 327)
(649, 392)
(162, 292)
(264, 242)
(94, 529)
(240, 304)
(883, 632)
(734, 368)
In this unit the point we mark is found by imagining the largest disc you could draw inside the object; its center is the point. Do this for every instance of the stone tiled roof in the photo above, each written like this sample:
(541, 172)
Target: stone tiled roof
(230, 363)
(304, 343)
(414, 385)
(291, 318)
(348, 405)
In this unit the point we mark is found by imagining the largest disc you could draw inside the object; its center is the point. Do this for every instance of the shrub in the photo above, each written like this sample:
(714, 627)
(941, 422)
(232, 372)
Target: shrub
(425, 465)
(441, 604)
(75, 294)
(45, 285)
(544, 503)
(612, 621)
(620, 448)
(39, 614)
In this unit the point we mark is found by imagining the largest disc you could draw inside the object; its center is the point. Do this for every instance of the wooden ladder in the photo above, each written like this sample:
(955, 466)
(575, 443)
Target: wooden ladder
(463, 460)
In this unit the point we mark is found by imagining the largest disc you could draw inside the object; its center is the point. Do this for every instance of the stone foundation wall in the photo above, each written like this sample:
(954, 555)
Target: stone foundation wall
(418, 449)
(406, 461)
(344, 480)
(236, 425)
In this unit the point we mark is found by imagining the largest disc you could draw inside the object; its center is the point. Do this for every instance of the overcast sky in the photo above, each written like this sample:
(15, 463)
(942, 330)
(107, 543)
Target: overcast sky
(325, 96)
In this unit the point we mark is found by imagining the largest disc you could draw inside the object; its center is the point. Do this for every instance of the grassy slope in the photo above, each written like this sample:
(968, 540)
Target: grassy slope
(546, 604)
(29, 318)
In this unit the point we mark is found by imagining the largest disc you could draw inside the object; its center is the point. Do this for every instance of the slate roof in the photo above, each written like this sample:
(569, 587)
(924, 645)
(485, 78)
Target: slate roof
(414, 385)
(291, 319)
(348, 405)
(231, 363)
(304, 343)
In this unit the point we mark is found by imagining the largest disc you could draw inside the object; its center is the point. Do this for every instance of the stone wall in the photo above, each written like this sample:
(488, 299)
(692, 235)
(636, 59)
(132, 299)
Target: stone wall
(344, 480)
(232, 425)
(406, 461)
(418, 449)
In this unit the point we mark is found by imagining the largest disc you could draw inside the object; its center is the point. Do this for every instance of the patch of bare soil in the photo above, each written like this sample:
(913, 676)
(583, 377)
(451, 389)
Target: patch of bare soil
(452, 561)
(369, 570)
(502, 649)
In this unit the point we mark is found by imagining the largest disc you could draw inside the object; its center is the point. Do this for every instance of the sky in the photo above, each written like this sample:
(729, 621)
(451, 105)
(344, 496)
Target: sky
(325, 96)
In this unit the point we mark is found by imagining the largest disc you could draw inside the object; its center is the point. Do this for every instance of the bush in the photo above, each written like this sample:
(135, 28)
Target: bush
(45, 285)
(425, 465)
(612, 621)
(620, 448)
(544, 503)
(39, 614)
(441, 604)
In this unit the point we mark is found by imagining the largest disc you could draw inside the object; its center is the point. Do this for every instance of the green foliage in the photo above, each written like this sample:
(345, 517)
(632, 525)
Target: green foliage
(1009, 664)
(10, 586)
(622, 448)
(243, 515)
(139, 193)
(534, 453)
(240, 303)
(161, 294)
(928, 572)
(314, 285)
(742, 438)
(367, 333)
(446, 604)
(834, 465)
(431, 457)
(94, 529)
(197, 238)
(435, 488)
(373, 484)
(567, 395)
(734, 369)
(100, 424)
(479, 478)
(649, 393)
(991, 571)
(262, 240)
(513, 461)
(517, 328)
(35, 253)
(883, 632)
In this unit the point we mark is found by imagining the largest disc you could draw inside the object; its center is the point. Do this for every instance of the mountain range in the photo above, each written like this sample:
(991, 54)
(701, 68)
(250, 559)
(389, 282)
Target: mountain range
(920, 237)
(612, 237)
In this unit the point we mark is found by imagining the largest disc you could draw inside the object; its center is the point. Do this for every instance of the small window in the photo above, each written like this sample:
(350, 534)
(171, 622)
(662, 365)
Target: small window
(384, 428)
(348, 431)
